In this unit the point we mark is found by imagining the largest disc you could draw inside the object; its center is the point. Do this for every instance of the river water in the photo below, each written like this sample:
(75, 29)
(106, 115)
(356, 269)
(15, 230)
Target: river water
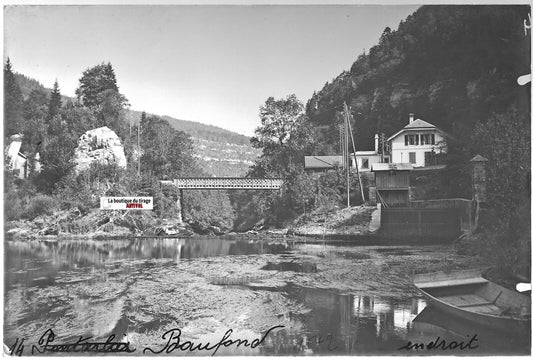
(140, 288)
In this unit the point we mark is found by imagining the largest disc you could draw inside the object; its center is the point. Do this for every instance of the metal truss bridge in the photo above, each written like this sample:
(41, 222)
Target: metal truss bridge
(237, 183)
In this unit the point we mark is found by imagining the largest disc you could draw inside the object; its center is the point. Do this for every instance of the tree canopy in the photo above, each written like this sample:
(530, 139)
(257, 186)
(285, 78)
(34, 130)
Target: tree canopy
(13, 102)
(95, 81)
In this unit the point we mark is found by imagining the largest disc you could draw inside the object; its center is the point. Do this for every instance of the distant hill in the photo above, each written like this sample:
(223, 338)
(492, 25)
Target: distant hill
(28, 84)
(220, 152)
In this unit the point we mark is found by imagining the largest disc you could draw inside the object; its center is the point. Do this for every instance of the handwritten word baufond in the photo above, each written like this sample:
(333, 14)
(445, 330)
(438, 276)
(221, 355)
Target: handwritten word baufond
(173, 342)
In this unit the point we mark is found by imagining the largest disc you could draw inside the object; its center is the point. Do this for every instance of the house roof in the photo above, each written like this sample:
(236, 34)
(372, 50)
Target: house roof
(418, 124)
(478, 158)
(13, 149)
(392, 167)
(366, 152)
(322, 162)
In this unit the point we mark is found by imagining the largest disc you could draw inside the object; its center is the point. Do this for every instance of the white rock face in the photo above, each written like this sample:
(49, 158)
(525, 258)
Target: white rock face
(100, 145)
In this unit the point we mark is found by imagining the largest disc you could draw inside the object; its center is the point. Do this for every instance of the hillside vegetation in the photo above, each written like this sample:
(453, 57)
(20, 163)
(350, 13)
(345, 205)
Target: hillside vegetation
(219, 152)
(453, 66)
(69, 199)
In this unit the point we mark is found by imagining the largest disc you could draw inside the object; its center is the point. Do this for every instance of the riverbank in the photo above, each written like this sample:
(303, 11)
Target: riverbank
(96, 224)
(107, 224)
(348, 221)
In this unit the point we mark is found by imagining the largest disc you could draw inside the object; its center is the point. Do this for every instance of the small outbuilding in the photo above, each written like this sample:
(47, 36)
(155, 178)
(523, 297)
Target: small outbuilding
(392, 183)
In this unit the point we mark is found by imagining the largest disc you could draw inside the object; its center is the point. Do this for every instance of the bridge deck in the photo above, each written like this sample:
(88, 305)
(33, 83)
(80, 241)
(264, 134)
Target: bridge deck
(227, 183)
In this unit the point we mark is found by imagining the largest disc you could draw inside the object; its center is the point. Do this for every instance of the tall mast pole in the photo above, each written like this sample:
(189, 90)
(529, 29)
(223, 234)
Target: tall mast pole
(355, 157)
(347, 153)
(139, 149)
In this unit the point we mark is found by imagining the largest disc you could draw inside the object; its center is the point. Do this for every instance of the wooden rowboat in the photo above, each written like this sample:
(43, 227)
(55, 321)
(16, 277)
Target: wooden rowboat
(467, 295)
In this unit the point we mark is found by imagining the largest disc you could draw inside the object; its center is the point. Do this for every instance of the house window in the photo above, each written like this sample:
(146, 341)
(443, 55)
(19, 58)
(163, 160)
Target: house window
(412, 157)
(364, 163)
(417, 139)
(411, 139)
(406, 140)
(427, 139)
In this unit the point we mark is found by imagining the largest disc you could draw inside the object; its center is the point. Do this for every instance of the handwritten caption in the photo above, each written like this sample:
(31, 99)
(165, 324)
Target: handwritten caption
(441, 344)
(48, 343)
(127, 203)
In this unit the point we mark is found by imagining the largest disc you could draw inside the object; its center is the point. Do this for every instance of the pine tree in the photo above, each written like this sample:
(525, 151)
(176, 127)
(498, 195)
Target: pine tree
(13, 105)
(54, 104)
(98, 91)
(95, 81)
(143, 118)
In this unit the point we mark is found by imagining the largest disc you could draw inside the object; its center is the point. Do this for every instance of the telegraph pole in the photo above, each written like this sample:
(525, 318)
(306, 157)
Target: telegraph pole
(355, 157)
(139, 149)
(347, 153)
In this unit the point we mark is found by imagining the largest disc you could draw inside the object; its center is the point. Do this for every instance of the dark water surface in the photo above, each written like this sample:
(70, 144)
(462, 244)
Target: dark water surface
(44, 280)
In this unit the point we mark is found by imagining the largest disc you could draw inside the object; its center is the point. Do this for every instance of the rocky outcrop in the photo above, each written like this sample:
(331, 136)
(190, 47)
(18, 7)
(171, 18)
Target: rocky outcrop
(100, 145)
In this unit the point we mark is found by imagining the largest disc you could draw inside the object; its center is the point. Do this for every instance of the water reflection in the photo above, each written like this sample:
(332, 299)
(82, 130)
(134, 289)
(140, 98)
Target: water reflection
(36, 263)
(361, 324)
(430, 324)
(87, 287)
(347, 324)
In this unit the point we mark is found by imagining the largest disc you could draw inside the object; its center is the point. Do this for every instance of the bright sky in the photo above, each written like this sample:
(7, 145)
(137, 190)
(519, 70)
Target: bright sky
(212, 64)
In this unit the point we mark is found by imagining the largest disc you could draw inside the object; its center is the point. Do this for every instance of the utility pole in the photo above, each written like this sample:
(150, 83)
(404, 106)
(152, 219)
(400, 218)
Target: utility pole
(347, 153)
(354, 155)
(139, 149)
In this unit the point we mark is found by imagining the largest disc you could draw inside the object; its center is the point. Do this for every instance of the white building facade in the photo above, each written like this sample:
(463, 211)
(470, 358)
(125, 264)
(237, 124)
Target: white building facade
(417, 143)
(366, 158)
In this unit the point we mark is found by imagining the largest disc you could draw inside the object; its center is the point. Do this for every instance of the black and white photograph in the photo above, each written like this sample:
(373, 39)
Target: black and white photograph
(266, 179)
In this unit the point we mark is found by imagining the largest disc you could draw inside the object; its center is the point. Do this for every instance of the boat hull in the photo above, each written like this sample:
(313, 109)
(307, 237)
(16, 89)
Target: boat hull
(505, 324)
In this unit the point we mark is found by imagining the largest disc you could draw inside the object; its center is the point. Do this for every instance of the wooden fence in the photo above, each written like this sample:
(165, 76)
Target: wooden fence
(413, 225)
(463, 207)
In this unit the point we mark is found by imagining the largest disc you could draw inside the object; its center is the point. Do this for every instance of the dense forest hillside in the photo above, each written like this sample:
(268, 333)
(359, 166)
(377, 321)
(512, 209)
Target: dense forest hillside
(220, 152)
(450, 65)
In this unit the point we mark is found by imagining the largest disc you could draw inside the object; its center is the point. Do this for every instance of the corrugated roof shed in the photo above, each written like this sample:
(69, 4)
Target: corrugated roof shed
(322, 162)
(392, 167)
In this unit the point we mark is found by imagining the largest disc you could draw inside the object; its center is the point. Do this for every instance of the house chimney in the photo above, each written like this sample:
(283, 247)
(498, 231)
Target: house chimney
(411, 117)
(376, 142)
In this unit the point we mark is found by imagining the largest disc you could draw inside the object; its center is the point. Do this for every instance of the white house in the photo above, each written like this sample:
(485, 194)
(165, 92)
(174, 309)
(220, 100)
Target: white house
(17, 161)
(366, 158)
(417, 143)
